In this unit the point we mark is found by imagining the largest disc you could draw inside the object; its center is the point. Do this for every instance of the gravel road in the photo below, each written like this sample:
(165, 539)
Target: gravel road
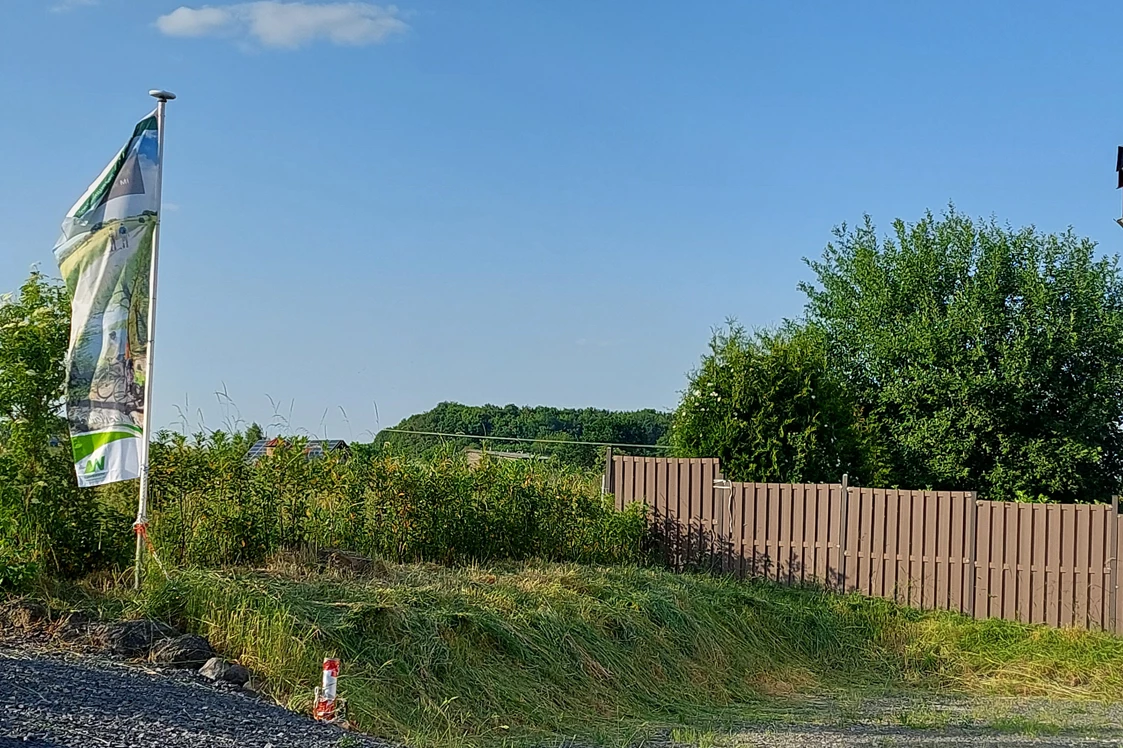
(915, 721)
(56, 700)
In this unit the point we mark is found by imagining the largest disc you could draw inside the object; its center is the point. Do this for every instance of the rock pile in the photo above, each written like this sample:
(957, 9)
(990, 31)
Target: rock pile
(158, 643)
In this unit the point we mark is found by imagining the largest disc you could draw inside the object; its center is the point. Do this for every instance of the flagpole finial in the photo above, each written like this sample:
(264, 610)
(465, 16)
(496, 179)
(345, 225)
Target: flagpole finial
(161, 95)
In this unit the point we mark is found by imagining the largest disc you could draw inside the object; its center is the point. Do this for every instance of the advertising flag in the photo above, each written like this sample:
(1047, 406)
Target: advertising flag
(105, 255)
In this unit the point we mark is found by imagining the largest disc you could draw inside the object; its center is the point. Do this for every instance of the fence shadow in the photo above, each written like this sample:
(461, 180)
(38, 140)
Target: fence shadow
(691, 547)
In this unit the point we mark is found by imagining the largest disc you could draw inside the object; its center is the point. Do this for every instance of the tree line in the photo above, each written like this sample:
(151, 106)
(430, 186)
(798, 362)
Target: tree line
(641, 427)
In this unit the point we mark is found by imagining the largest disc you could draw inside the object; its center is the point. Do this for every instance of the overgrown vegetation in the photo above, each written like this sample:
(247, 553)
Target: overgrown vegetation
(952, 354)
(212, 507)
(47, 525)
(513, 422)
(438, 656)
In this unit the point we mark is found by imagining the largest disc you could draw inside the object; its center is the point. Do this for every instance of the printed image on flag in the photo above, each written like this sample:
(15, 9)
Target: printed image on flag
(105, 254)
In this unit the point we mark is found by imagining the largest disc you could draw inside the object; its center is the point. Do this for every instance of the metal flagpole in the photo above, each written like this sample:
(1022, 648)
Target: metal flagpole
(141, 526)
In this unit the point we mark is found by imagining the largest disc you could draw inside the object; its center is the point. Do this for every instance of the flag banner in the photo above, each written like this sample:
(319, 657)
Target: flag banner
(105, 255)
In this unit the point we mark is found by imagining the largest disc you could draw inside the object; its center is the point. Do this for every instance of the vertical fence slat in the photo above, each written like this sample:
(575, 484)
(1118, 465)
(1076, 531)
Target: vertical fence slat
(1096, 578)
(762, 547)
(877, 546)
(998, 576)
(843, 532)
(971, 576)
(1068, 564)
(1053, 522)
(1024, 563)
(931, 554)
(904, 546)
(799, 535)
(1113, 567)
(853, 539)
(983, 536)
(660, 516)
(892, 543)
(674, 515)
(697, 514)
(957, 552)
(942, 549)
(775, 513)
(862, 545)
(686, 502)
(1039, 581)
(1010, 562)
(1080, 567)
(1117, 566)
(822, 523)
(916, 549)
(628, 468)
(711, 544)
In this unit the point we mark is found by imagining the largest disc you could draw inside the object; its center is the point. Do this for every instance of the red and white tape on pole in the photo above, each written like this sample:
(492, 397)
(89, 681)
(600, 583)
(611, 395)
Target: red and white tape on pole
(327, 709)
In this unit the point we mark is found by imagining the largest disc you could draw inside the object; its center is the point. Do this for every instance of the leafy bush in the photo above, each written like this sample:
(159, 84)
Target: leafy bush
(770, 407)
(46, 522)
(211, 507)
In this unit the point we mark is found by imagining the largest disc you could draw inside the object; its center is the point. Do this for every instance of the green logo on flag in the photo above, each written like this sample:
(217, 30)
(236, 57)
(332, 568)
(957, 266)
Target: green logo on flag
(95, 466)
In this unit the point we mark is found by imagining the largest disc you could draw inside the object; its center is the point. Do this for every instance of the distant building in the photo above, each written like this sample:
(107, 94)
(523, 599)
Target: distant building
(312, 448)
(475, 455)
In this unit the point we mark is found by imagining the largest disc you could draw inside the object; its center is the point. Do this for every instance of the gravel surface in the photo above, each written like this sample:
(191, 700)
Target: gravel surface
(929, 721)
(58, 700)
(869, 735)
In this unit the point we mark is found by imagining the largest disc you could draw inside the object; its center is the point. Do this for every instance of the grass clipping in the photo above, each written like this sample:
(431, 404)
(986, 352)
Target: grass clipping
(523, 653)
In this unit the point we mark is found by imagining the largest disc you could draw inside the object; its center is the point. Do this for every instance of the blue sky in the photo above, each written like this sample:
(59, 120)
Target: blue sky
(531, 202)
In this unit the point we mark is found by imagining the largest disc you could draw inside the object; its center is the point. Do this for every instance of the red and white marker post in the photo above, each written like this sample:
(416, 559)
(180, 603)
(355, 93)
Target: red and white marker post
(325, 709)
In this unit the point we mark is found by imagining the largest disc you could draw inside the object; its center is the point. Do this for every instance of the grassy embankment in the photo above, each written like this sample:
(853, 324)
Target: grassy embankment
(528, 653)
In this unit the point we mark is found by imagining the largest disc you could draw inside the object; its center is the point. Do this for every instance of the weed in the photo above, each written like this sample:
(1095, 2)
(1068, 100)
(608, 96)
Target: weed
(1021, 725)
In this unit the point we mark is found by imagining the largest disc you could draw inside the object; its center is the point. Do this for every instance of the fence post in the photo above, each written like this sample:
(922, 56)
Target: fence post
(843, 531)
(972, 547)
(608, 485)
(1113, 568)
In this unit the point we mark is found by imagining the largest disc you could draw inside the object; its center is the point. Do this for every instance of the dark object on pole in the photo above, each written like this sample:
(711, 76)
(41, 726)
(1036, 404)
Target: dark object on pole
(1119, 174)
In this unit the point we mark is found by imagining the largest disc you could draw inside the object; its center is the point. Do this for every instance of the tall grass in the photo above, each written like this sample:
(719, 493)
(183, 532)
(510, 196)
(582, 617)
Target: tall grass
(439, 656)
(211, 507)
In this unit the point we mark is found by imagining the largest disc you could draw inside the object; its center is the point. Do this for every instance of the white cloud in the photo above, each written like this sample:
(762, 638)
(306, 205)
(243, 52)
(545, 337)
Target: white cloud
(288, 25)
(195, 22)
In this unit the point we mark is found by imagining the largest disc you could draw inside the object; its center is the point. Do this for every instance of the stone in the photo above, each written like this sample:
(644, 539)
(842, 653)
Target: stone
(218, 669)
(214, 669)
(187, 651)
(132, 638)
(237, 674)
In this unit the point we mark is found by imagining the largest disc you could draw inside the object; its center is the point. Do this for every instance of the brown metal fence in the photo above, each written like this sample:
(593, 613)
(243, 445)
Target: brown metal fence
(1036, 563)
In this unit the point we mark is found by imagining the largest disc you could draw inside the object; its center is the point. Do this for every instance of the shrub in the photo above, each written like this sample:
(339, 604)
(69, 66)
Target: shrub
(211, 507)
